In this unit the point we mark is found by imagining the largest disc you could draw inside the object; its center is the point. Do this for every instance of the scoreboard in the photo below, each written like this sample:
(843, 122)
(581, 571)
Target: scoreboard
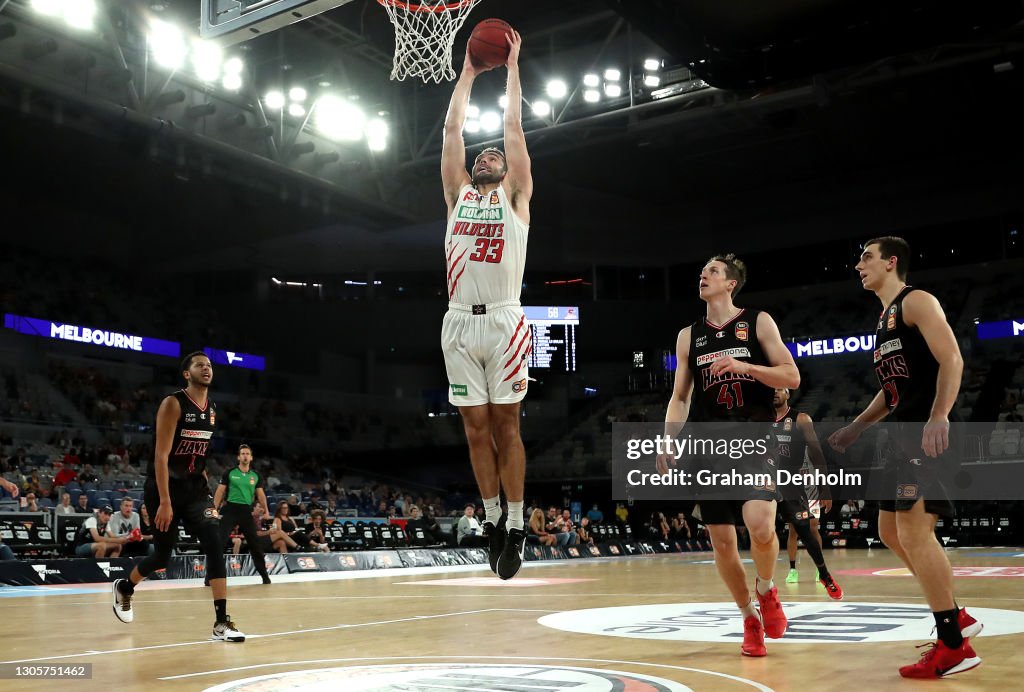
(554, 336)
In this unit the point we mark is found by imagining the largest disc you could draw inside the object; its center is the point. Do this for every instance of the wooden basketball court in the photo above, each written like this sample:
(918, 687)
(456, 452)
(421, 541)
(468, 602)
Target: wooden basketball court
(460, 629)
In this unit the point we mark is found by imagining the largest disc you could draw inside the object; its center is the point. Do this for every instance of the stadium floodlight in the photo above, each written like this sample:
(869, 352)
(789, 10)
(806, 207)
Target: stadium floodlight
(274, 100)
(297, 94)
(652, 64)
(233, 66)
(612, 91)
(49, 8)
(490, 121)
(377, 134)
(591, 80)
(168, 45)
(232, 81)
(339, 119)
(472, 126)
(541, 109)
(79, 14)
(652, 81)
(503, 101)
(557, 89)
(472, 111)
(612, 74)
(296, 110)
(591, 95)
(206, 60)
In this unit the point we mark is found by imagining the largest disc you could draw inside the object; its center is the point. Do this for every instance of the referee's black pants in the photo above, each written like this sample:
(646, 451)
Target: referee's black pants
(234, 513)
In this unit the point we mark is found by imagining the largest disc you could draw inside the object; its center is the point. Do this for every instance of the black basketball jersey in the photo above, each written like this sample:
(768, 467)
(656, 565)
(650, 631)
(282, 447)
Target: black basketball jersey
(728, 397)
(192, 437)
(791, 440)
(904, 365)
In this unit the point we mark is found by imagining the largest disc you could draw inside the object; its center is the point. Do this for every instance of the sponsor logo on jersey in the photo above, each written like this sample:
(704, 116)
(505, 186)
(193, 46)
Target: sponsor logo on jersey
(460, 390)
(190, 418)
(702, 341)
(742, 330)
(719, 335)
(889, 346)
(519, 386)
(197, 434)
(739, 352)
(471, 196)
(478, 214)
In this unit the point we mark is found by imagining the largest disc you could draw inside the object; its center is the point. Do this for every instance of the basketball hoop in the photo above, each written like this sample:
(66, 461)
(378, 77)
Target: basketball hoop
(424, 34)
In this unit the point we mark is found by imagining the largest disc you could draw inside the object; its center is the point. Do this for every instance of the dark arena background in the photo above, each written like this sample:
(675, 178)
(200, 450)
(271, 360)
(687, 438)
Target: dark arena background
(244, 179)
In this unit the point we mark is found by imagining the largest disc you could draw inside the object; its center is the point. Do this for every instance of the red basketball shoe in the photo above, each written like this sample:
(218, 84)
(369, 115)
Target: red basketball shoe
(939, 661)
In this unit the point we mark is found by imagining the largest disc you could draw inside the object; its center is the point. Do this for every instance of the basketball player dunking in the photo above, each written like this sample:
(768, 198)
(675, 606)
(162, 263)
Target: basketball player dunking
(794, 432)
(918, 366)
(485, 335)
(729, 363)
(177, 489)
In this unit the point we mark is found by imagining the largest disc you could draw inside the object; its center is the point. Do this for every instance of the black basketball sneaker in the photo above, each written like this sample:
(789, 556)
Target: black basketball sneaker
(495, 543)
(512, 554)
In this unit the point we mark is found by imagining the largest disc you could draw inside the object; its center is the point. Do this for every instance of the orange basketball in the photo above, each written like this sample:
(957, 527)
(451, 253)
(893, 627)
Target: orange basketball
(488, 46)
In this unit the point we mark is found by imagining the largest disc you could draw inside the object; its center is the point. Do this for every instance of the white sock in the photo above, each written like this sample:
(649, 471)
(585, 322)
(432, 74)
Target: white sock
(763, 586)
(749, 610)
(515, 516)
(492, 509)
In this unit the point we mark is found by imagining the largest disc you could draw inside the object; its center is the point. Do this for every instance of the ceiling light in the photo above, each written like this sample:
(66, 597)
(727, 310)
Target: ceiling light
(541, 109)
(274, 100)
(557, 89)
(612, 74)
(652, 64)
(591, 95)
(591, 80)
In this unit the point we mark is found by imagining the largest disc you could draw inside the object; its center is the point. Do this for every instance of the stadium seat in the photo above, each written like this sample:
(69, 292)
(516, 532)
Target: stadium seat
(995, 443)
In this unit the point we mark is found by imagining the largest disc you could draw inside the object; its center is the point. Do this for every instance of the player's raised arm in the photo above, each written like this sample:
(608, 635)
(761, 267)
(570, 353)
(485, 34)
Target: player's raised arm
(520, 177)
(453, 153)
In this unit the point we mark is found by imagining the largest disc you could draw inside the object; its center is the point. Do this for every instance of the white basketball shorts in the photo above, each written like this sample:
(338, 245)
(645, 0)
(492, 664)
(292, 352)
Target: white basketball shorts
(486, 355)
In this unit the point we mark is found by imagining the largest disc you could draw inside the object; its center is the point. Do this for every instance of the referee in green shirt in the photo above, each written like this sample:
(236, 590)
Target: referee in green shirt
(238, 488)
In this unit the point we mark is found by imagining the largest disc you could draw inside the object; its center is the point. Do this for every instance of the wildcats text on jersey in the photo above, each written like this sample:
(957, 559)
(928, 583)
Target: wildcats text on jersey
(742, 352)
(484, 230)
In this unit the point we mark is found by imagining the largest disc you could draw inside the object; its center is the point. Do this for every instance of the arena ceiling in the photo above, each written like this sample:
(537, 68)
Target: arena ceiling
(823, 117)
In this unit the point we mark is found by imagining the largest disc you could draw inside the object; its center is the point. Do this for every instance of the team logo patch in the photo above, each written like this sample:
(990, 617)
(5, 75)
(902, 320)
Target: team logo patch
(890, 323)
(788, 425)
(907, 490)
(213, 417)
(809, 622)
(519, 386)
(494, 198)
(742, 329)
(252, 481)
(468, 676)
(460, 390)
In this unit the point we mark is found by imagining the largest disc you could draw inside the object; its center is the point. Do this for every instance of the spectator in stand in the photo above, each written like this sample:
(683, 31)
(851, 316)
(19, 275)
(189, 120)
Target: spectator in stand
(108, 475)
(680, 529)
(65, 474)
(127, 525)
(316, 528)
(289, 536)
(595, 515)
(556, 526)
(87, 475)
(294, 508)
(658, 528)
(83, 505)
(71, 458)
(583, 531)
(621, 513)
(30, 503)
(93, 541)
(332, 506)
(429, 524)
(567, 521)
(469, 533)
(852, 507)
(382, 509)
(537, 529)
(65, 507)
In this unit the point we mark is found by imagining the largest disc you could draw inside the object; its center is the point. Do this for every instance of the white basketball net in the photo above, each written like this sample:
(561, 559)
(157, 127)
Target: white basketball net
(424, 34)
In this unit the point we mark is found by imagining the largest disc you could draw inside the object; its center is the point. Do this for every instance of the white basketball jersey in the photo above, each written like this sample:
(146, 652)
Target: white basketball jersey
(485, 246)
